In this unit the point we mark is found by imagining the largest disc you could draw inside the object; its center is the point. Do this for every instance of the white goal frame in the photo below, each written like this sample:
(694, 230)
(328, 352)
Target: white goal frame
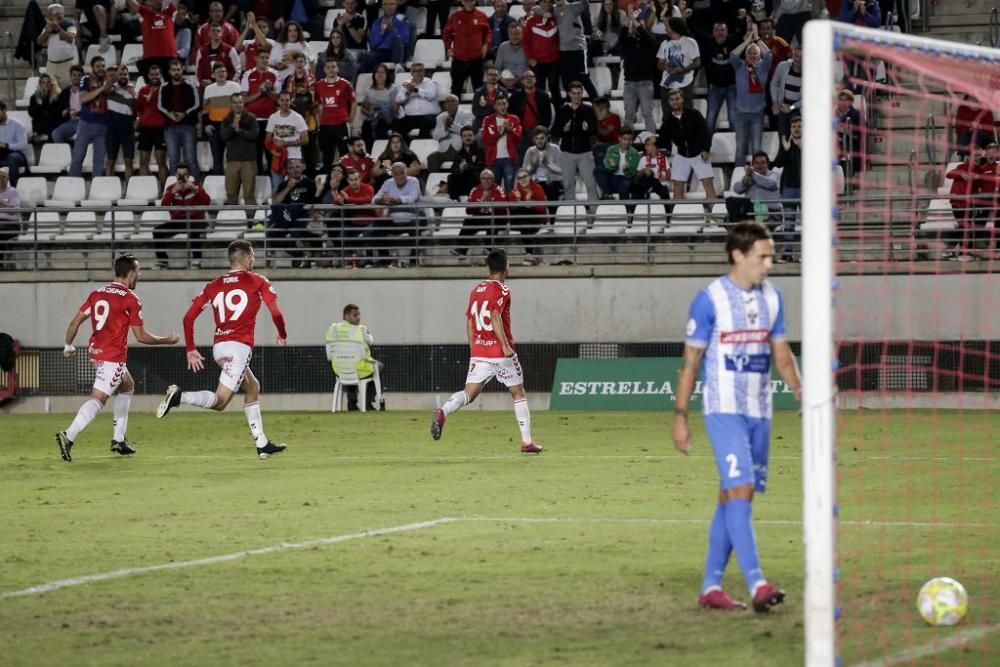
(819, 395)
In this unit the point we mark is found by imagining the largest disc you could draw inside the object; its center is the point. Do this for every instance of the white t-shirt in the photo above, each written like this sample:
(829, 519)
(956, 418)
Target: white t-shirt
(58, 50)
(288, 127)
(678, 53)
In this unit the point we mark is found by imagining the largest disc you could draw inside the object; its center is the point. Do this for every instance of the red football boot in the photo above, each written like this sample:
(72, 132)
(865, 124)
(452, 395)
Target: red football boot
(530, 448)
(437, 424)
(717, 598)
(767, 596)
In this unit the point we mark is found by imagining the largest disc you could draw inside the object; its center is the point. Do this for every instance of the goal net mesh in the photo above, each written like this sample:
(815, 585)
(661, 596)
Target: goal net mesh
(916, 311)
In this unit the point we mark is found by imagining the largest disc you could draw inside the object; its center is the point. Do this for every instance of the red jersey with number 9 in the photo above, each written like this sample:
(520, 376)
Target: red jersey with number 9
(113, 310)
(235, 300)
(486, 297)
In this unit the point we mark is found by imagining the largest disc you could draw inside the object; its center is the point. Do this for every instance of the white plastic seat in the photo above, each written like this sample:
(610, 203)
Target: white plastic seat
(422, 148)
(141, 190)
(53, 159)
(215, 186)
(346, 355)
(104, 190)
(378, 147)
(262, 189)
(131, 54)
(147, 222)
(330, 20)
(80, 226)
(570, 220)
(363, 85)
(117, 225)
(770, 144)
(68, 192)
(317, 48)
(610, 219)
(430, 52)
(686, 219)
(723, 148)
(601, 76)
(33, 190)
(451, 221)
(110, 56)
(30, 86)
(433, 181)
(205, 161)
(42, 226)
(230, 224)
(516, 12)
(939, 216)
(648, 219)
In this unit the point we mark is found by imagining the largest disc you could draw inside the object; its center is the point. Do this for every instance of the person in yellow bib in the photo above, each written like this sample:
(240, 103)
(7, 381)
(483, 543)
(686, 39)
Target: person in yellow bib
(350, 329)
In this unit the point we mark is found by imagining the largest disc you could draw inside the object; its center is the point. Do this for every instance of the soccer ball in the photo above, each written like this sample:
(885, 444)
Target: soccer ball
(943, 601)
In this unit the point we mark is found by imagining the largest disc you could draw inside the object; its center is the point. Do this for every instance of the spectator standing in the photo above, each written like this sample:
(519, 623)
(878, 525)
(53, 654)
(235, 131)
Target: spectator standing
(609, 126)
(575, 127)
(790, 161)
(639, 69)
(358, 159)
(217, 103)
(466, 39)
(121, 123)
(533, 106)
(397, 194)
(44, 110)
(337, 51)
(500, 24)
(93, 125)
(291, 42)
(10, 221)
(179, 103)
(351, 25)
(489, 218)
(786, 89)
(685, 128)
(388, 38)
(376, 106)
(865, 13)
(159, 46)
(260, 41)
(151, 123)
(301, 83)
(260, 93)
(604, 39)
(573, 45)
(287, 133)
(850, 142)
(336, 106)
(60, 39)
(239, 131)
(541, 46)
(216, 52)
(69, 108)
(751, 99)
(216, 17)
(306, 13)
(510, 55)
(485, 96)
(180, 197)
(528, 220)
(791, 15)
(719, 74)
(448, 133)
(99, 16)
(973, 125)
(543, 160)
(679, 59)
(183, 33)
(466, 167)
(417, 98)
(501, 135)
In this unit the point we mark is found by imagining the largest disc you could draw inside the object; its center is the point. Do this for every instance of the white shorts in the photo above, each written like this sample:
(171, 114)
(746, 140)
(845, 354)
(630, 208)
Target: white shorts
(681, 167)
(234, 359)
(505, 369)
(109, 375)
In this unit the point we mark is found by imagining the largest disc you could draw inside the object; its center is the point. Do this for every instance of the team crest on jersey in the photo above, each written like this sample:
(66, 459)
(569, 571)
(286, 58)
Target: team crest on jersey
(691, 328)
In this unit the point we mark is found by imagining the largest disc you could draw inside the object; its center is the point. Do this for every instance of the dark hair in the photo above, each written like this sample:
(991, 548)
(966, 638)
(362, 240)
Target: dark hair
(237, 249)
(574, 84)
(541, 129)
(235, 95)
(678, 25)
(350, 308)
(765, 20)
(467, 128)
(626, 131)
(743, 235)
(760, 154)
(497, 260)
(76, 68)
(355, 138)
(175, 61)
(182, 165)
(125, 264)
(609, 22)
(602, 102)
(95, 60)
(283, 35)
(387, 153)
(390, 75)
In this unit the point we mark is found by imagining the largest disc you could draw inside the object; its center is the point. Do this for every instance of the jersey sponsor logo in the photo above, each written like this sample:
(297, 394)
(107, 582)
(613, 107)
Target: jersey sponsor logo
(742, 336)
(224, 332)
(748, 363)
(692, 327)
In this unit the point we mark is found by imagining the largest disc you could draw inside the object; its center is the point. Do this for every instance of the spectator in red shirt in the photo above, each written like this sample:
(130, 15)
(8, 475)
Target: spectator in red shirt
(213, 52)
(260, 90)
(360, 218)
(528, 219)
(976, 176)
(158, 44)
(489, 218)
(541, 46)
(609, 126)
(216, 15)
(501, 135)
(973, 125)
(151, 124)
(180, 197)
(533, 106)
(358, 159)
(467, 39)
(336, 106)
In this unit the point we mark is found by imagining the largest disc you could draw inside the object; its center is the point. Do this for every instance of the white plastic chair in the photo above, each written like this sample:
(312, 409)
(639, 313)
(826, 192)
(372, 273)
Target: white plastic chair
(215, 186)
(430, 52)
(723, 148)
(68, 192)
(131, 54)
(103, 191)
(601, 76)
(33, 190)
(53, 159)
(110, 56)
(345, 356)
(422, 148)
(30, 86)
(140, 191)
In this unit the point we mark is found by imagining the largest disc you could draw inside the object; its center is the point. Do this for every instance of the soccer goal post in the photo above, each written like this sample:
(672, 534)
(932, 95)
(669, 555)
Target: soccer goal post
(898, 275)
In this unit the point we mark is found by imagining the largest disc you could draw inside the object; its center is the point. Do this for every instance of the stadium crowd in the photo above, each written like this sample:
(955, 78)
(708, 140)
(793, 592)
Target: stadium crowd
(247, 77)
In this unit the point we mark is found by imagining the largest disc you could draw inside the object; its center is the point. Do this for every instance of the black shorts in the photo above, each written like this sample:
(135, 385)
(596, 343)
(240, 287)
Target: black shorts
(120, 135)
(151, 139)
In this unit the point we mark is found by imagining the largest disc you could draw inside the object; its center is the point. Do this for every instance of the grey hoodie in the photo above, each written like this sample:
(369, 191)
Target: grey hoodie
(570, 25)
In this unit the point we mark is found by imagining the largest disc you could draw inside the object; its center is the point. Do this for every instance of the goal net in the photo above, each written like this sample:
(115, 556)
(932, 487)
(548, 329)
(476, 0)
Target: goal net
(901, 344)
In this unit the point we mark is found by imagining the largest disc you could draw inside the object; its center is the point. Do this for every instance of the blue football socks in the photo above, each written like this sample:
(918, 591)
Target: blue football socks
(744, 541)
(719, 548)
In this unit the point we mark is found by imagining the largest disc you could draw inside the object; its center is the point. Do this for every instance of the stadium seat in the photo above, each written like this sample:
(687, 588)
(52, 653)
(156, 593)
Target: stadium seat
(516, 12)
(601, 76)
(451, 221)
(443, 81)
(262, 189)
(939, 216)
(230, 224)
(42, 226)
(33, 190)
(347, 355)
(147, 222)
(770, 144)
(686, 219)
(140, 191)
(204, 157)
(570, 220)
(104, 190)
(433, 181)
(723, 148)
(422, 148)
(54, 159)
(110, 56)
(329, 20)
(418, 19)
(68, 192)
(30, 86)
(131, 54)
(648, 219)
(378, 146)
(363, 84)
(80, 226)
(317, 48)
(430, 52)
(610, 219)
(215, 186)
(117, 226)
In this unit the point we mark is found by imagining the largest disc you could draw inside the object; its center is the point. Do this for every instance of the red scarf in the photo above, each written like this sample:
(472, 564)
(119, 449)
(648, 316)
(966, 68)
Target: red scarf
(754, 82)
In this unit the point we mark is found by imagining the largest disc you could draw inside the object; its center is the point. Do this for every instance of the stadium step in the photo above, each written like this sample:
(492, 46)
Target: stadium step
(967, 8)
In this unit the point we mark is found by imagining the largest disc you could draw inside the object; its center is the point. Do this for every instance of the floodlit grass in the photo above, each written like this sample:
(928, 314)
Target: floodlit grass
(590, 554)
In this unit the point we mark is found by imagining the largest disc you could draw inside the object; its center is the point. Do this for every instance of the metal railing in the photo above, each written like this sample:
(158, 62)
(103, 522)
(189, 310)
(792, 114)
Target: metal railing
(995, 28)
(441, 234)
(8, 45)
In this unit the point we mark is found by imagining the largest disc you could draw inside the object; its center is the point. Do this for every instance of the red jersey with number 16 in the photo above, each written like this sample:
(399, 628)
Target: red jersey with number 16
(235, 299)
(113, 310)
(486, 297)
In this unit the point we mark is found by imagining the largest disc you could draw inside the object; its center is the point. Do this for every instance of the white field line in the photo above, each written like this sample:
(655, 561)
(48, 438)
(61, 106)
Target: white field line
(705, 522)
(960, 638)
(211, 560)
(518, 456)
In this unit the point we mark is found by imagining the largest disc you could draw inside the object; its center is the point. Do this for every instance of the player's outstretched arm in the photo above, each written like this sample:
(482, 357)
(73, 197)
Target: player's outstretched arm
(685, 387)
(195, 361)
(497, 319)
(787, 367)
(71, 331)
(147, 338)
(271, 301)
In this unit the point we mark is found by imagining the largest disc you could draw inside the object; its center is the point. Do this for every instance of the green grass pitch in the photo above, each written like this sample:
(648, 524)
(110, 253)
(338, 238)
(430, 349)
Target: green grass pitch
(589, 554)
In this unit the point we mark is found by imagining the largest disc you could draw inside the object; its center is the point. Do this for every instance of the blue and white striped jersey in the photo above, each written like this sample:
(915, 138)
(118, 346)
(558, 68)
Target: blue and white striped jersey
(736, 326)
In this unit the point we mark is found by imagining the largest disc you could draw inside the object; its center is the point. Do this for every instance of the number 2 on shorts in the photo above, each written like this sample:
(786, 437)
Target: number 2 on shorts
(734, 471)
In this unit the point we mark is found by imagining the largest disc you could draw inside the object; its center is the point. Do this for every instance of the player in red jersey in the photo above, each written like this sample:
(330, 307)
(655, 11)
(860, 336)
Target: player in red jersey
(112, 311)
(234, 299)
(491, 351)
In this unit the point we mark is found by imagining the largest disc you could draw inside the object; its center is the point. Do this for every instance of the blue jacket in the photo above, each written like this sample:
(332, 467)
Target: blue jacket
(378, 40)
(872, 16)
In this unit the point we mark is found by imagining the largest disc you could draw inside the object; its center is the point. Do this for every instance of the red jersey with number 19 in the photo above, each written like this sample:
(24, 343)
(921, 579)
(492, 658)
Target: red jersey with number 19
(113, 310)
(235, 299)
(486, 297)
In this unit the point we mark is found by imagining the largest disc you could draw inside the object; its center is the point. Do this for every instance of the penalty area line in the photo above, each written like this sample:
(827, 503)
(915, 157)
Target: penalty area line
(957, 640)
(222, 558)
